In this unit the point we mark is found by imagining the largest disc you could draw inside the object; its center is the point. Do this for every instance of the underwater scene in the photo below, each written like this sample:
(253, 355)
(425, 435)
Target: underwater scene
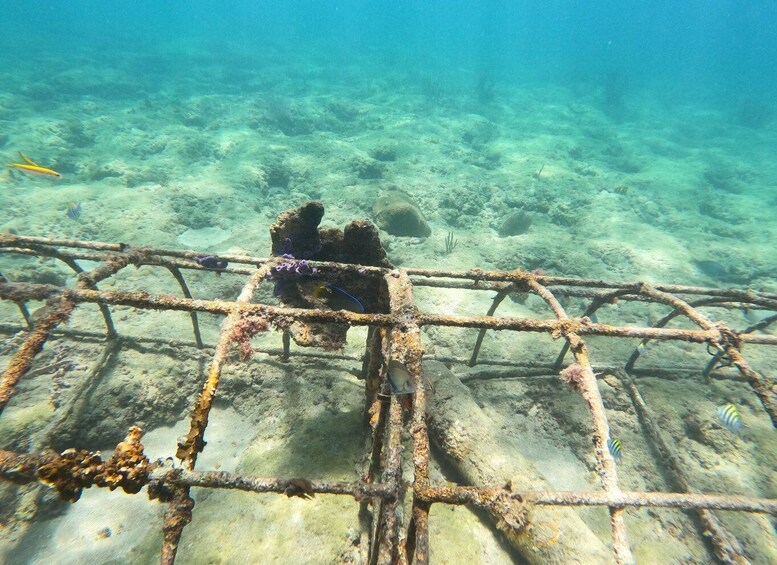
(616, 143)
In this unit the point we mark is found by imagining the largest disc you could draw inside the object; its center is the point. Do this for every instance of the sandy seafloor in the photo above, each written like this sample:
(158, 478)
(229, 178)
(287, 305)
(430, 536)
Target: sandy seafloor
(204, 152)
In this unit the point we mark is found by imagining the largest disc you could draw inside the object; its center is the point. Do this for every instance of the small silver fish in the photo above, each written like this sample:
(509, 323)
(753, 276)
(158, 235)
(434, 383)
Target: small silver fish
(729, 417)
(400, 379)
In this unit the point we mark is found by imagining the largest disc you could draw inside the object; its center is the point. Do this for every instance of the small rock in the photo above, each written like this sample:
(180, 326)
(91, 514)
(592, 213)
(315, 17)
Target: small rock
(516, 223)
(397, 214)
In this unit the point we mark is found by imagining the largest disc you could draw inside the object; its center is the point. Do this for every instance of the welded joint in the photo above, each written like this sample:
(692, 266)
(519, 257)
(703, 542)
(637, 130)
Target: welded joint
(565, 327)
(728, 338)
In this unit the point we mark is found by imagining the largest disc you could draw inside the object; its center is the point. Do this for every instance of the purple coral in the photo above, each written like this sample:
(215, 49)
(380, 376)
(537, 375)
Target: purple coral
(291, 268)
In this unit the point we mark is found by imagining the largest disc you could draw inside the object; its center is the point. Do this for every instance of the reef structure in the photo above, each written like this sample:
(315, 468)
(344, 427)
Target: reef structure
(297, 237)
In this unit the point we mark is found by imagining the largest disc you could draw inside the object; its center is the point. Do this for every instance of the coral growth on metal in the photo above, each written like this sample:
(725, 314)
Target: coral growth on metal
(394, 337)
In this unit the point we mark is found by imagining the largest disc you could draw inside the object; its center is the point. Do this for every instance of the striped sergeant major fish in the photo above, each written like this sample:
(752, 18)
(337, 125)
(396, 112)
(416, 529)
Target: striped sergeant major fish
(729, 417)
(73, 210)
(615, 446)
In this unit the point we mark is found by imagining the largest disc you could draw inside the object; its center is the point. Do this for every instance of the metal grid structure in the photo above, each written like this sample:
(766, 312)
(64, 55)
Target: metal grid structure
(393, 336)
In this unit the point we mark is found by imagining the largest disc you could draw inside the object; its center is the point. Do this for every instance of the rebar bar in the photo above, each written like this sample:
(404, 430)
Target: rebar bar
(24, 469)
(393, 337)
(143, 300)
(178, 513)
(387, 535)
(500, 296)
(406, 349)
(418, 276)
(726, 547)
(176, 272)
(586, 384)
(48, 317)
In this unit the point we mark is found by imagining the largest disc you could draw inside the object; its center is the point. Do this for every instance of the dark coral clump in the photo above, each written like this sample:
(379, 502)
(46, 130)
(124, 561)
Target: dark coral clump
(296, 231)
(297, 238)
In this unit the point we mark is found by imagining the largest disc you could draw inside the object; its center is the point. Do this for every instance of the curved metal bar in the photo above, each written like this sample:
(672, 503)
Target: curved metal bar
(21, 305)
(766, 322)
(728, 341)
(185, 289)
(500, 296)
(110, 329)
(663, 322)
(596, 303)
(585, 383)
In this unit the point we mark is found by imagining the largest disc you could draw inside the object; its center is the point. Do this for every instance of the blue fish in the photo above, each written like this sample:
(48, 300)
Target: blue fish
(615, 446)
(73, 210)
(729, 417)
(211, 262)
(339, 299)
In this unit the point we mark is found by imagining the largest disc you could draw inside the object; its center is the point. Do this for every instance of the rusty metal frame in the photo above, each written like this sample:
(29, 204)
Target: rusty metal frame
(393, 336)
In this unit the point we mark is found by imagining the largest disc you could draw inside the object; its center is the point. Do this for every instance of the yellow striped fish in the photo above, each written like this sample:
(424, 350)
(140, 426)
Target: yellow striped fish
(615, 446)
(32, 168)
(729, 417)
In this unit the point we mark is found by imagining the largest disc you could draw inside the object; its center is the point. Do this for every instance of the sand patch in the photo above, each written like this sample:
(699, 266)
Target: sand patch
(204, 238)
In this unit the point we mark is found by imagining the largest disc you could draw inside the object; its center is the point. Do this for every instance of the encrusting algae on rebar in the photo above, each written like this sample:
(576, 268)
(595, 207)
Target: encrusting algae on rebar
(532, 517)
(245, 329)
(573, 375)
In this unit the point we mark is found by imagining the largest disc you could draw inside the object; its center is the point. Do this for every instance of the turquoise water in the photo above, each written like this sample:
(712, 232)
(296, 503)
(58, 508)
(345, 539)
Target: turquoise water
(657, 117)
(629, 141)
(719, 49)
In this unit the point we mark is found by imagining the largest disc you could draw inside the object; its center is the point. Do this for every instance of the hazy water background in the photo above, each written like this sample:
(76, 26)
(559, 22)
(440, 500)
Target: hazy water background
(164, 118)
(671, 101)
(719, 48)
